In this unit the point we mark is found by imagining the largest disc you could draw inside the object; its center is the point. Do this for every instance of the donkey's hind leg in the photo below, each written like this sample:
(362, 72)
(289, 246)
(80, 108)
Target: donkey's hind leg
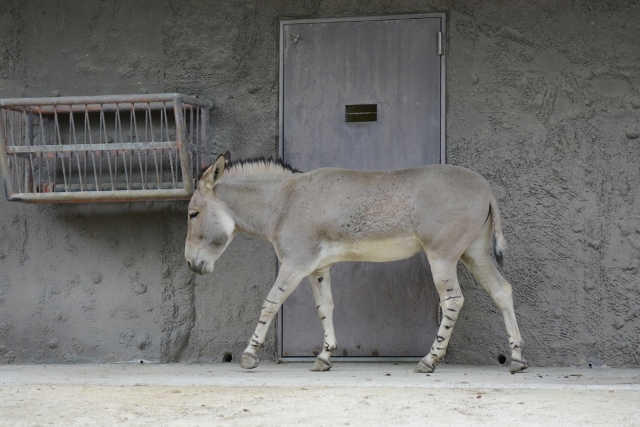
(321, 287)
(445, 278)
(477, 258)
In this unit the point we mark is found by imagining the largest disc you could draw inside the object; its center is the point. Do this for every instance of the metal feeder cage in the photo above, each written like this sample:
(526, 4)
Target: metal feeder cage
(103, 148)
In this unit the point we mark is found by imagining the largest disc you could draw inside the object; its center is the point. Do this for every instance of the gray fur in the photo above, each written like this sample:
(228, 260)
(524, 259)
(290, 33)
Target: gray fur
(329, 215)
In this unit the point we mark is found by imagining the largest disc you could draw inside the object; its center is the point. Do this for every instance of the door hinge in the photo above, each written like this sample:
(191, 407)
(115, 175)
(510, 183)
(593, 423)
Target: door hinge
(440, 48)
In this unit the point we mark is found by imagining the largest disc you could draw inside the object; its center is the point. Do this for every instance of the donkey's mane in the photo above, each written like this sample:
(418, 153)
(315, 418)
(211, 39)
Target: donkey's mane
(259, 166)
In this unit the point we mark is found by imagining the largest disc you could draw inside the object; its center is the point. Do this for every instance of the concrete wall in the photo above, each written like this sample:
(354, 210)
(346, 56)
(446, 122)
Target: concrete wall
(543, 100)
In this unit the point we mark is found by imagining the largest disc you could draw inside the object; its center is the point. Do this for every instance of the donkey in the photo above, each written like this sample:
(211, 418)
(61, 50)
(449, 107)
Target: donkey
(330, 215)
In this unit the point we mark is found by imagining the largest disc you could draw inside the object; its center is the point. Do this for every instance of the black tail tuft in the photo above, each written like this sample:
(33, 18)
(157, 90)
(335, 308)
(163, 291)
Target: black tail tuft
(497, 255)
(499, 243)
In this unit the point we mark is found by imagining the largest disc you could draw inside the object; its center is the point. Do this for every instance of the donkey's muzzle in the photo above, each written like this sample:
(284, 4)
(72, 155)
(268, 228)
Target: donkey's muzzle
(199, 267)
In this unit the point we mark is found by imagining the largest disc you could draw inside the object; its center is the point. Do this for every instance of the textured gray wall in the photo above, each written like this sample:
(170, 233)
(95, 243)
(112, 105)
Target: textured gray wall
(543, 100)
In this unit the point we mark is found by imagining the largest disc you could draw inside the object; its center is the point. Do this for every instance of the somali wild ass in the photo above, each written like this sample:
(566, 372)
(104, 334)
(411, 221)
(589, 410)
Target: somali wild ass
(330, 215)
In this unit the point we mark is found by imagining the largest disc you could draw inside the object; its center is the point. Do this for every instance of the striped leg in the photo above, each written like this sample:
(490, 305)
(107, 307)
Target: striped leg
(451, 300)
(321, 287)
(484, 270)
(288, 280)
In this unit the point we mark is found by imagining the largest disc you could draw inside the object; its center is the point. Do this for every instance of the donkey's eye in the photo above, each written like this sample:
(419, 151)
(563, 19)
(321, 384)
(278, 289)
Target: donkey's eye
(193, 214)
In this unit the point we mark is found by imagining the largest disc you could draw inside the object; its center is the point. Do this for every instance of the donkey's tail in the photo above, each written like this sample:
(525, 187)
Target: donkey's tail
(499, 243)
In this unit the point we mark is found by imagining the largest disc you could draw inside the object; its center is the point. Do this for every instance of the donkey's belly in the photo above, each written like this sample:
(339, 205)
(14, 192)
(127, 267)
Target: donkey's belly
(373, 250)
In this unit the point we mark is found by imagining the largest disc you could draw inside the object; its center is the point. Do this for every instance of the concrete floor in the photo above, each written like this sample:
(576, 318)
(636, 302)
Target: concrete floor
(224, 394)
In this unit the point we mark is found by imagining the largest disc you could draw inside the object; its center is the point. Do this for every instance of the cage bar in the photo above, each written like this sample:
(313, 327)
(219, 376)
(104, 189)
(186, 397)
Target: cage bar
(103, 148)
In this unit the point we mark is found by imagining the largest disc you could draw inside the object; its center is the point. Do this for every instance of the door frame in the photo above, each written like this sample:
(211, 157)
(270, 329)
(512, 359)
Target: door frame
(443, 152)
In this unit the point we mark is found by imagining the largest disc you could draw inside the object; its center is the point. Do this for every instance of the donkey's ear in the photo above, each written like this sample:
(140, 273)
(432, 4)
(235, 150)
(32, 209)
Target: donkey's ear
(227, 157)
(211, 176)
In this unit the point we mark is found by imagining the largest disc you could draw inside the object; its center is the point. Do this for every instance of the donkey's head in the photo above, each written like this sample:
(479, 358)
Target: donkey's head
(211, 226)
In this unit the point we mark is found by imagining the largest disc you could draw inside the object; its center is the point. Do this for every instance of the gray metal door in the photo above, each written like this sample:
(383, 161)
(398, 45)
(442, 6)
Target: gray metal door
(363, 94)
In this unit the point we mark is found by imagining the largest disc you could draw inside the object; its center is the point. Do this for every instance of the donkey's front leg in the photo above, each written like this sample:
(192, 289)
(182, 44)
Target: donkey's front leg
(321, 287)
(445, 278)
(289, 278)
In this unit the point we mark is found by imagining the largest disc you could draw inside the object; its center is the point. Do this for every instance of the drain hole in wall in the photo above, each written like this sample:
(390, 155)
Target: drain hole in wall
(227, 357)
(502, 359)
(591, 365)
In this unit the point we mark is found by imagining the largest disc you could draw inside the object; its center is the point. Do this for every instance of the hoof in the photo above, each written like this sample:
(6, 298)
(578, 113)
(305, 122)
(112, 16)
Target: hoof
(321, 365)
(249, 360)
(518, 365)
(424, 368)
